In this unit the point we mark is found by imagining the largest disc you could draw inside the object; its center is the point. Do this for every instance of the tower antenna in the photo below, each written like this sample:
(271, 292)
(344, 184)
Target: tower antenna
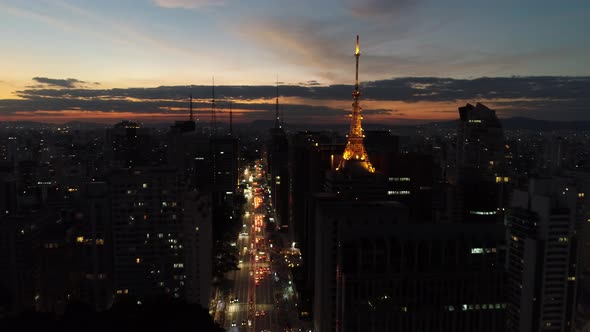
(191, 106)
(277, 123)
(231, 120)
(282, 117)
(213, 116)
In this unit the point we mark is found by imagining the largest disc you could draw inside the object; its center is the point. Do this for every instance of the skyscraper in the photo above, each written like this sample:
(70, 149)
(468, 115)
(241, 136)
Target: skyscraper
(480, 182)
(541, 255)
(161, 235)
(278, 167)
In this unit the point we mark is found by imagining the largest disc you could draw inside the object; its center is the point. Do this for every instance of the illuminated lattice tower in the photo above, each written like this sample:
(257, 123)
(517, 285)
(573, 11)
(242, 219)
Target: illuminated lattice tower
(355, 152)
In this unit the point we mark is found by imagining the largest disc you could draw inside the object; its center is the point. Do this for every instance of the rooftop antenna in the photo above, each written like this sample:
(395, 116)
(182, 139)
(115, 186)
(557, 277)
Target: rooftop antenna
(213, 118)
(191, 106)
(277, 123)
(282, 117)
(231, 120)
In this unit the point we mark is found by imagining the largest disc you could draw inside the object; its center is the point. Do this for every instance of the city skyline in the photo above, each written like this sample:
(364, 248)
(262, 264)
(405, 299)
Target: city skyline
(104, 62)
(175, 165)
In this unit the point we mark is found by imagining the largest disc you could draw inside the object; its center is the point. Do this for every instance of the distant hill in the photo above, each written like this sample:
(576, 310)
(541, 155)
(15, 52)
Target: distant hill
(532, 124)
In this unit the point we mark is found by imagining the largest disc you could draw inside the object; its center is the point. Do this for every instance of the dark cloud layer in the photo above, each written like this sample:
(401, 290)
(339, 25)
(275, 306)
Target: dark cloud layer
(550, 97)
(59, 82)
(410, 89)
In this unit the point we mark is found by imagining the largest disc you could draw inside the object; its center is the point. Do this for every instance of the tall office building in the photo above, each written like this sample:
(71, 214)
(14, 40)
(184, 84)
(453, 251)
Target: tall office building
(20, 243)
(224, 169)
(377, 271)
(94, 239)
(582, 306)
(153, 235)
(480, 182)
(128, 144)
(541, 255)
(8, 190)
(278, 168)
(341, 228)
(311, 155)
(198, 244)
(189, 152)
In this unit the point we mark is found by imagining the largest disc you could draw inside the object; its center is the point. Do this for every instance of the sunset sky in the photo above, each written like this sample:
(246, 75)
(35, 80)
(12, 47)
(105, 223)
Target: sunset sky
(421, 59)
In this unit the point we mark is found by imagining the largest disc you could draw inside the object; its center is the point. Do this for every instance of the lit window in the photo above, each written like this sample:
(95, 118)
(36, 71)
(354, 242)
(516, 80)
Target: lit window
(571, 278)
(145, 185)
(405, 179)
(80, 239)
(138, 260)
(483, 213)
(398, 192)
(581, 195)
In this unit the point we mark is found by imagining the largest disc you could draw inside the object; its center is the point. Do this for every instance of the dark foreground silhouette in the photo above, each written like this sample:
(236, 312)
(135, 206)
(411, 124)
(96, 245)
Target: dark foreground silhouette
(125, 315)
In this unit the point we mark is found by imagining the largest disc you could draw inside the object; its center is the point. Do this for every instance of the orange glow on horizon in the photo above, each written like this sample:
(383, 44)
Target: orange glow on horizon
(422, 111)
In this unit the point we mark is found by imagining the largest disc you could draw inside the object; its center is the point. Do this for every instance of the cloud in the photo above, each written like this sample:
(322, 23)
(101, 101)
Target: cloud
(382, 111)
(188, 4)
(547, 97)
(310, 83)
(407, 89)
(57, 82)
